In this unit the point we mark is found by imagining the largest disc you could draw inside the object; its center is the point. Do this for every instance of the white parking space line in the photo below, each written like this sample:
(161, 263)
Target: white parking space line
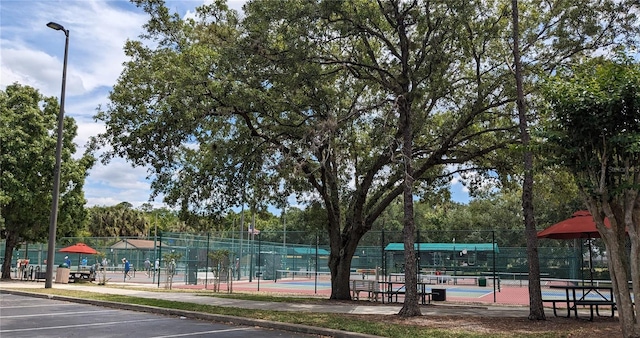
(35, 305)
(56, 314)
(79, 325)
(204, 332)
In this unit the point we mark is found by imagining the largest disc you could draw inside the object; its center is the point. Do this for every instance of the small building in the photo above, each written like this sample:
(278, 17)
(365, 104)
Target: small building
(443, 256)
(134, 244)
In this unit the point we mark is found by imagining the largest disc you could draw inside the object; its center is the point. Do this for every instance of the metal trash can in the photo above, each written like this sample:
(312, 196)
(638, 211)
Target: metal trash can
(482, 281)
(439, 294)
(40, 275)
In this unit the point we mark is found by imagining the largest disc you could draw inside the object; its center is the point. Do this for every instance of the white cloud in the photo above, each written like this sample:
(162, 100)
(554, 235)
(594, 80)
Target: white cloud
(118, 182)
(119, 174)
(31, 67)
(456, 181)
(32, 54)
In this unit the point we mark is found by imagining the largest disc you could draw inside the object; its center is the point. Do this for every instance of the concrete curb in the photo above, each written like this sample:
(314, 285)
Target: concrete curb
(298, 328)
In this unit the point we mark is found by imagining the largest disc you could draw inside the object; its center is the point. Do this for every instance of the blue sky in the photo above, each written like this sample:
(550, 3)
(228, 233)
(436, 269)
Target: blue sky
(32, 54)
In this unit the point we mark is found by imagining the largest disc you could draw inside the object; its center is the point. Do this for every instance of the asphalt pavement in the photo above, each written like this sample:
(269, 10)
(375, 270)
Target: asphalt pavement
(31, 317)
(434, 309)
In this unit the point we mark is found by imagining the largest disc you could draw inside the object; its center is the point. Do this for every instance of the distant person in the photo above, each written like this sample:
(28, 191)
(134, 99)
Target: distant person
(84, 262)
(127, 268)
(147, 267)
(102, 265)
(156, 265)
(92, 270)
(172, 267)
(67, 261)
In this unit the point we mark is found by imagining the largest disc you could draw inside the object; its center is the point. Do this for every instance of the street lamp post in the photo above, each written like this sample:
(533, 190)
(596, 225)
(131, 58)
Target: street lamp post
(56, 174)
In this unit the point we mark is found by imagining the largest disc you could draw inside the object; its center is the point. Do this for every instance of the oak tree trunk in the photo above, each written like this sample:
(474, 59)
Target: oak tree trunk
(410, 307)
(9, 246)
(623, 266)
(343, 246)
(536, 309)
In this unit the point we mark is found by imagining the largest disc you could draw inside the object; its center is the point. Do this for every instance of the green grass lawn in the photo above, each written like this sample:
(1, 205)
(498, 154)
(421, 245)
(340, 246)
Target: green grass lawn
(352, 323)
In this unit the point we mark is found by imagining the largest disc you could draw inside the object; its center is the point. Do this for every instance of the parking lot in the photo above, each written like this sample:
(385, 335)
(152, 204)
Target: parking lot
(22, 316)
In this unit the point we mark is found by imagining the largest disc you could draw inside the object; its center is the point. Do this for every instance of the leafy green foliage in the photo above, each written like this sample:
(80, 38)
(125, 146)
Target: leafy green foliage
(313, 98)
(595, 133)
(220, 258)
(595, 127)
(117, 221)
(28, 141)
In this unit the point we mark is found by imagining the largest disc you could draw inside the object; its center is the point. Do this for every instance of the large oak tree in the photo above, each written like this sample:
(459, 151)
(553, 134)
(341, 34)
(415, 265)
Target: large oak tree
(27, 159)
(215, 105)
(348, 103)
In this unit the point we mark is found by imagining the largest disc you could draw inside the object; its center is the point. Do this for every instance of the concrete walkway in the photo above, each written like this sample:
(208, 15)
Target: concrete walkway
(439, 309)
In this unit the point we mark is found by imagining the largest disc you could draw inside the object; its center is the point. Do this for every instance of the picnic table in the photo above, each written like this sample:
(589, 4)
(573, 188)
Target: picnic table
(395, 288)
(593, 296)
(77, 276)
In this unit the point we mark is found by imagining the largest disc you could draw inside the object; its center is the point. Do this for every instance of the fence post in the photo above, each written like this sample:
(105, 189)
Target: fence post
(159, 257)
(383, 257)
(259, 261)
(493, 246)
(316, 279)
(206, 267)
(417, 258)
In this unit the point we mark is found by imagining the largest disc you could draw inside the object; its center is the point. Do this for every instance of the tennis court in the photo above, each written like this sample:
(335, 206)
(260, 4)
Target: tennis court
(322, 288)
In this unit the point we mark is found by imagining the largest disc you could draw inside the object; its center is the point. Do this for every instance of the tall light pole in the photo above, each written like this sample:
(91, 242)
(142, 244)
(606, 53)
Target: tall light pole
(56, 173)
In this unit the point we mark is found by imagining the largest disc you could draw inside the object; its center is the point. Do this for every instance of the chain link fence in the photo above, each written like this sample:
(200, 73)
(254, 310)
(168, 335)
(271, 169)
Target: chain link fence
(225, 257)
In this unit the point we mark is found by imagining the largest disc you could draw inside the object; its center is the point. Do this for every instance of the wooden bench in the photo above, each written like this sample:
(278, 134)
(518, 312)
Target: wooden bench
(364, 285)
(594, 303)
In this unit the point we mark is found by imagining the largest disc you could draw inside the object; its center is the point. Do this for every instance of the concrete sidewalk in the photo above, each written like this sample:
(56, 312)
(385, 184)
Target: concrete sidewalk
(129, 289)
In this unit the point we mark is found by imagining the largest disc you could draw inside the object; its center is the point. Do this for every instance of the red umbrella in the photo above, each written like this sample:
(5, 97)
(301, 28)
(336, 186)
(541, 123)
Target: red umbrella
(80, 248)
(580, 225)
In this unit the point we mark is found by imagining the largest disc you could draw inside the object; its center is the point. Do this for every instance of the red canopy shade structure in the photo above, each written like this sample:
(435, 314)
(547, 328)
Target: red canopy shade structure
(580, 225)
(80, 248)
